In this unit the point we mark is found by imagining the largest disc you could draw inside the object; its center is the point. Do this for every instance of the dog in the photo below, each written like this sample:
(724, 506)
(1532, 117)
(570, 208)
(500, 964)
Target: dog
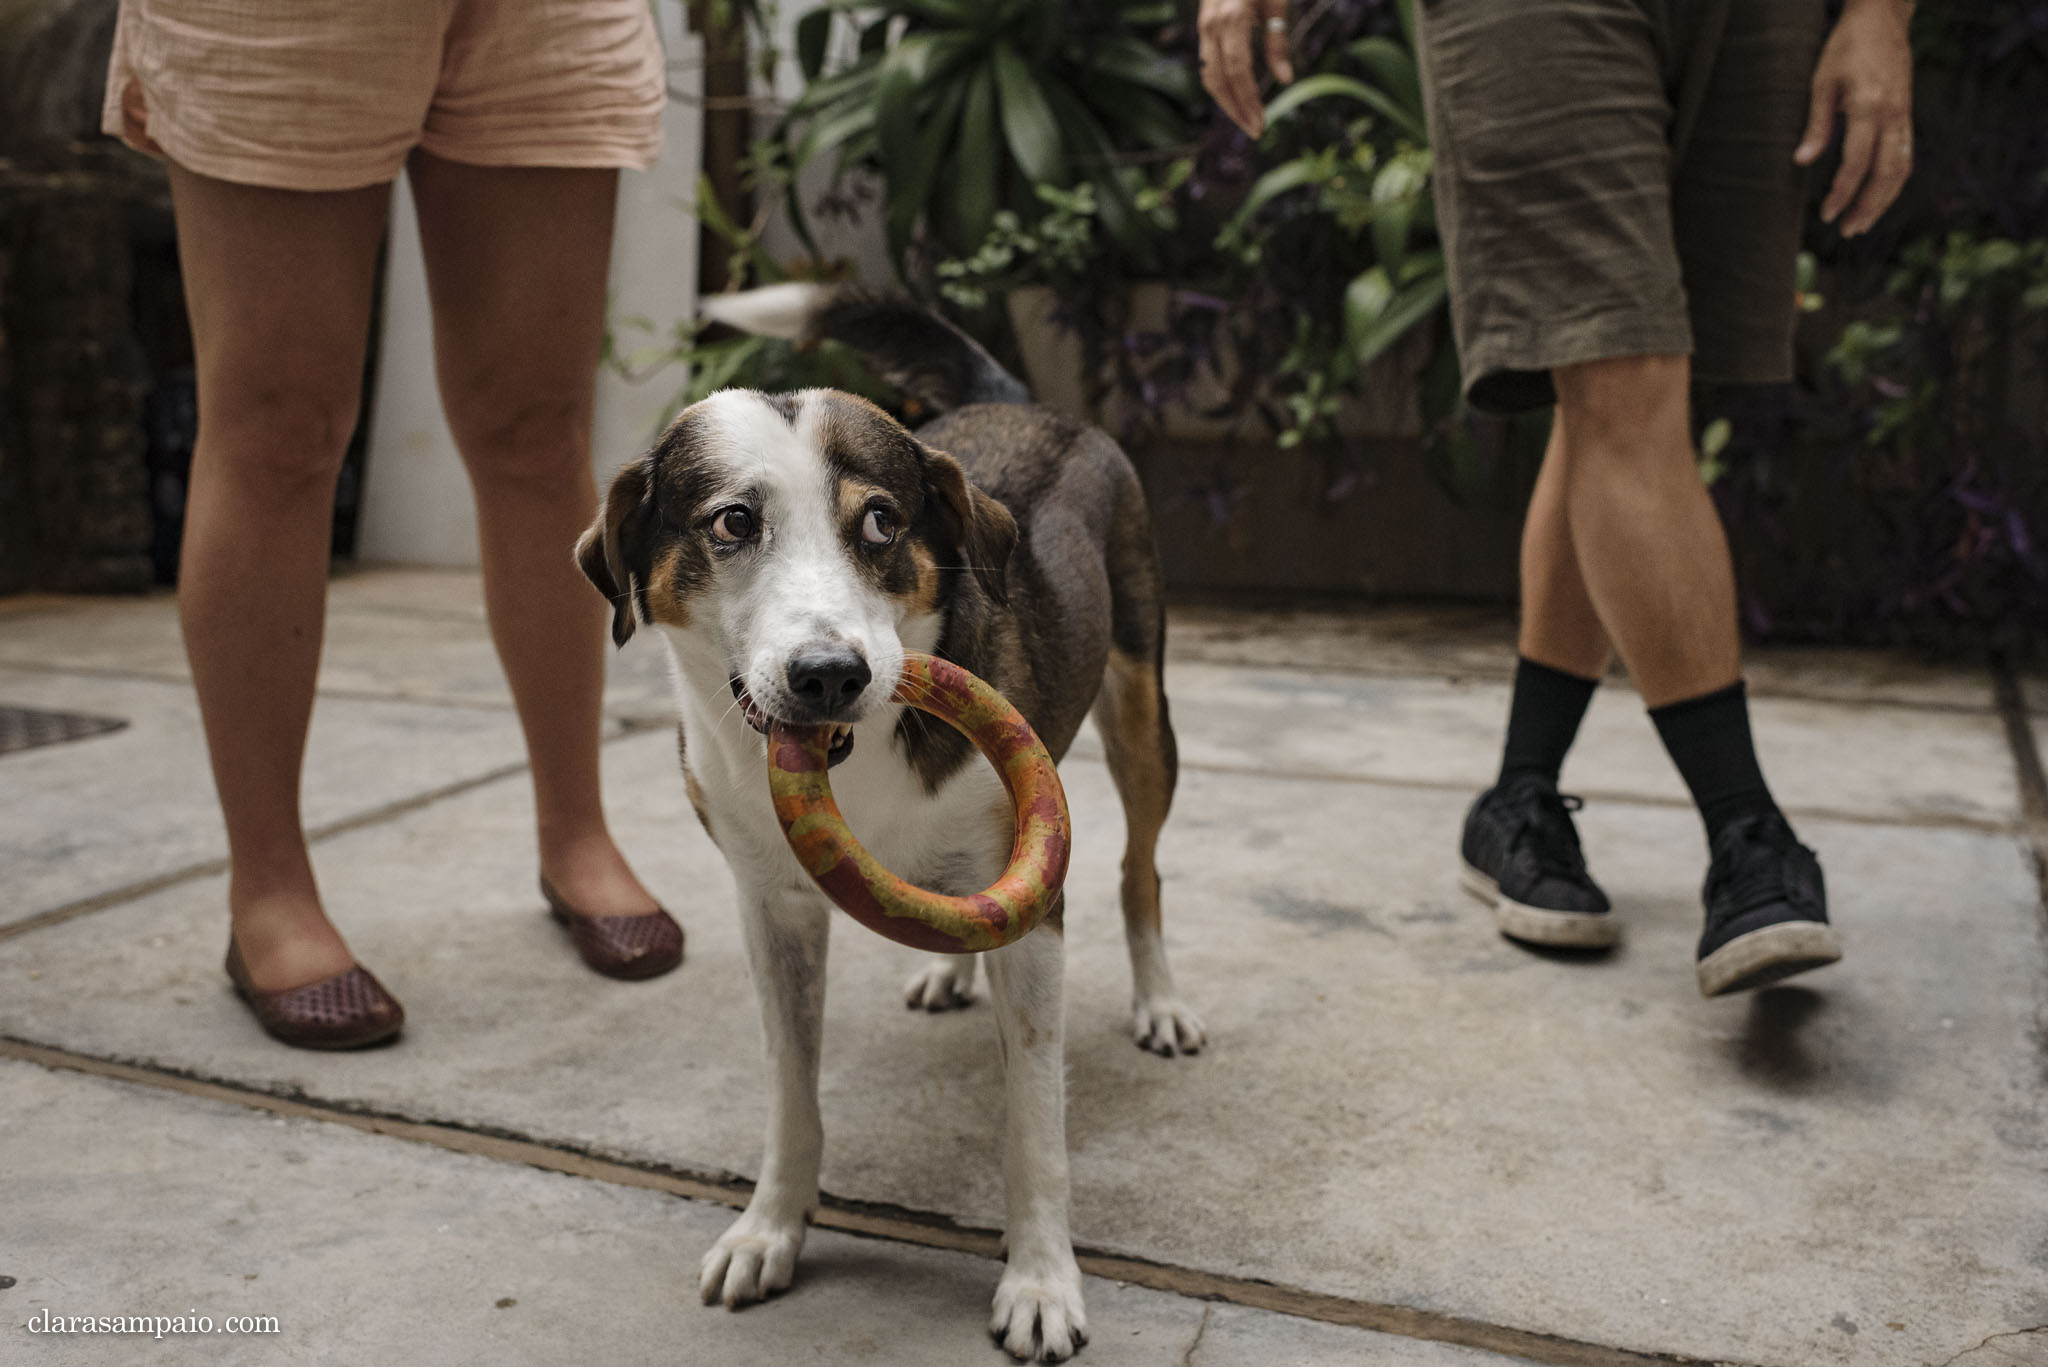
(790, 548)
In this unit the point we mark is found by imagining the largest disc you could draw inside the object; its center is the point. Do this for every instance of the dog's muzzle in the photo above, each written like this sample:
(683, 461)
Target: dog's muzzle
(758, 718)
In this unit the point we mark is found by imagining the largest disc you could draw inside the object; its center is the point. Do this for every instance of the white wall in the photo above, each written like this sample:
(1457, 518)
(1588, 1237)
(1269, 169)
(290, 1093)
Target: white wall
(416, 505)
(864, 242)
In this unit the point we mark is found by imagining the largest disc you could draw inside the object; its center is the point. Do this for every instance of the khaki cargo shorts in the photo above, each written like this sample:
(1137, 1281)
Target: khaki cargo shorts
(333, 94)
(1615, 178)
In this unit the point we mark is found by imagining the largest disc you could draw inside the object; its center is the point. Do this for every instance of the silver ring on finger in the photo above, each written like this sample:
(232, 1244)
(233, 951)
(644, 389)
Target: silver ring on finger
(1276, 24)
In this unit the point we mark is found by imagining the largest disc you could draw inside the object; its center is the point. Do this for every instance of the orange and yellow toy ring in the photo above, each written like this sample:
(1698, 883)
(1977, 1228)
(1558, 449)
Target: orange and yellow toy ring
(1003, 913)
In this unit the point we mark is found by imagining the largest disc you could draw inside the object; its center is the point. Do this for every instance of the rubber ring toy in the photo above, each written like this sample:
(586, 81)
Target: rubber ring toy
(1004, 912)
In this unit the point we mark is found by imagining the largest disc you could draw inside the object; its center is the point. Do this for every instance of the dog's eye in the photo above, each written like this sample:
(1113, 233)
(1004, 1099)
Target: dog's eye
(878, 528)
(733, 525)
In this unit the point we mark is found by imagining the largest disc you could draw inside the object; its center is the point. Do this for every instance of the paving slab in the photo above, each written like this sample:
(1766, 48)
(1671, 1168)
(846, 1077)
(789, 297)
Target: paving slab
(1479, 642)
(125, 1201)
(85, 817)
(411, 635)
(1399, 1107)
(1877, 761)
(2034, 688)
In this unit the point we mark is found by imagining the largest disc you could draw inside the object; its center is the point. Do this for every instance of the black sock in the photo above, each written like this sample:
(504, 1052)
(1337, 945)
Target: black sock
(1709, 741)
(1543, 719)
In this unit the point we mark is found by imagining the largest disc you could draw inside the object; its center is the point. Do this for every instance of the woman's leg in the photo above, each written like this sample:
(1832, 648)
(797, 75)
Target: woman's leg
(517, 259)
(278, 284)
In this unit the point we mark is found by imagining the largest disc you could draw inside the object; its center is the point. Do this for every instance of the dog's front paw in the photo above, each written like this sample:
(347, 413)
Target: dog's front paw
(750, 1261)
(1039, 1316)
(1166, 1027)
(944, 983)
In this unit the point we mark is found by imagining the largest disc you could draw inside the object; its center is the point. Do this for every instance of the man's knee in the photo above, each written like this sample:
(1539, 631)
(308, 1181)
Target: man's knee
(1625, 406)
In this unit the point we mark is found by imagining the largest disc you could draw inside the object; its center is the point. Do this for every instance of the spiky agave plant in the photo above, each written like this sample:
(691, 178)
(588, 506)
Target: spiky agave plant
(966, 106)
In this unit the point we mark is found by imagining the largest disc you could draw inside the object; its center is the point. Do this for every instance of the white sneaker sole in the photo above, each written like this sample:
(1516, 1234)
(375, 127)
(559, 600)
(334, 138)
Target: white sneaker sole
(1768, 955)
(1537, 925)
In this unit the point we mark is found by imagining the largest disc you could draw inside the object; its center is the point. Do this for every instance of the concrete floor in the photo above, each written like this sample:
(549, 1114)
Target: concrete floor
(1405, 1124)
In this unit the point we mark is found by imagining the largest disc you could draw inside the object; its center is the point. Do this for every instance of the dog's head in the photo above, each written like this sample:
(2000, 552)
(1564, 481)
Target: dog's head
(796, 535)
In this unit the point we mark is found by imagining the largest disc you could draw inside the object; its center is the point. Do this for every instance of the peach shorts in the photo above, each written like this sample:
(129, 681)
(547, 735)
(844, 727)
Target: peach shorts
(332, 95)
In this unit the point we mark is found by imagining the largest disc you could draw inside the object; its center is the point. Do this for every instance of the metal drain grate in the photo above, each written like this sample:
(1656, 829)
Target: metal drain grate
(24, 728)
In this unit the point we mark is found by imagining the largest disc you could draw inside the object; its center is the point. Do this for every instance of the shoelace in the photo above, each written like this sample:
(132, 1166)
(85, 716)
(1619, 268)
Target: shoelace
(1544, 815)
(1761, 871)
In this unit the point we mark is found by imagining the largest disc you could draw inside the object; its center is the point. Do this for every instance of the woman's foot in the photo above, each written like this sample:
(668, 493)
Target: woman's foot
(617, 926)
(309, 992)
(590, 874)
(286, 941)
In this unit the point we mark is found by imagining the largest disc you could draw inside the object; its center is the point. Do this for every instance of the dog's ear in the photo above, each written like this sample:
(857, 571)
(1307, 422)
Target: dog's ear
(980, 527)
(614, 552)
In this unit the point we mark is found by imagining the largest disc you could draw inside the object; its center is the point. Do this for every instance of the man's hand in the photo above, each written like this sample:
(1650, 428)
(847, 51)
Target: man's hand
(1866, 74)
(1230, 29)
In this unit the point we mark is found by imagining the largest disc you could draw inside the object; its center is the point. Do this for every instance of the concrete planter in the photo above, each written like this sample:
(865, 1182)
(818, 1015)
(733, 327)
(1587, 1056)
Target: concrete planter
(1237, 514)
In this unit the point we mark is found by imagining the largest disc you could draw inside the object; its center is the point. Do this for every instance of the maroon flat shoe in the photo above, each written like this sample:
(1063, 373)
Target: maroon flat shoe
(628, 947)
(347, 1011)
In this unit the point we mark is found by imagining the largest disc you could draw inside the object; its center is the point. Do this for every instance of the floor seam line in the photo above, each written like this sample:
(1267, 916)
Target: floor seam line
(1506, 674)
(895, 1224)
(2029, 773)
(185, 681)
(1449, 676)
(1985, 825)
(375, 816)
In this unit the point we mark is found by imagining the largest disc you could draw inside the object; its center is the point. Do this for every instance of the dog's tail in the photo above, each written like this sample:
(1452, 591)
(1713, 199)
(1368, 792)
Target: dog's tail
(909, 345)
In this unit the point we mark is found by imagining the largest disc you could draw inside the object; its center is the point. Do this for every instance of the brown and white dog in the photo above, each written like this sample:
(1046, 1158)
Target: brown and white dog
(790, 548)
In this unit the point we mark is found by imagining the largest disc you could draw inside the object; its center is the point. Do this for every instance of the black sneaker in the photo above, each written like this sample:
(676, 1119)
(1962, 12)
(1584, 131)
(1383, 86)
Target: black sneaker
(1767, 908)
(1522, 859)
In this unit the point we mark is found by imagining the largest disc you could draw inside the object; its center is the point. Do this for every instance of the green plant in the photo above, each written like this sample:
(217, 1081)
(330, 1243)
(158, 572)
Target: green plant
(1897, 492)
(978, 102)
(635, 349)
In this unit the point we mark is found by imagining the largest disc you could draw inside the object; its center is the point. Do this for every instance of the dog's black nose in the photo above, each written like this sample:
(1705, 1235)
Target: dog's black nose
(828, 679)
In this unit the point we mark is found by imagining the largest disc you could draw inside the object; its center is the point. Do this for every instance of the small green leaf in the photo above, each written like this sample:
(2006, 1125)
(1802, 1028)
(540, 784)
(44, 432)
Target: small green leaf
(1140, 115)
(1138, 63)
(812, 33)
(1714, 440)
(1390, 234)
(1287, 176)
(976, 157)
(1329, 83)
(1028, 123)
(1805, 274)
(1393, 67)
(1409, 306)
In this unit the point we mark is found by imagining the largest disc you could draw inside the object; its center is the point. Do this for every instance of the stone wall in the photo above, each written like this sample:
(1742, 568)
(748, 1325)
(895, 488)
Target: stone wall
(74, 485)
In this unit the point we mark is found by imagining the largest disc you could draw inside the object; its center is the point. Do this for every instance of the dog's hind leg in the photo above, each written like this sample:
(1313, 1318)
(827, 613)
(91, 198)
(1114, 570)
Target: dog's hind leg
(1137, 740)
(786, 937)
(1038, 1311)
(942, 982)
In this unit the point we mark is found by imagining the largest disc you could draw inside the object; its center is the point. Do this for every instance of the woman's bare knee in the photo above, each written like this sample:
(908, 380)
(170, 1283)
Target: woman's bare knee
(278, 440)
(531, 439)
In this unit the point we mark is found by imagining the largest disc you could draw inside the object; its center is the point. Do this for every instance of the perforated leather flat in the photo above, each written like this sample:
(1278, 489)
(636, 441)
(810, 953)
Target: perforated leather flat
(347, 1011)
(628, 947)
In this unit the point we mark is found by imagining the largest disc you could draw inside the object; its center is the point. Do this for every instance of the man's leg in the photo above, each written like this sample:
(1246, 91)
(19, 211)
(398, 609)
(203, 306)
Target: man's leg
(1656, 567)
(1560, 629)
(1648, 541)
(278, 284)
(1655, 562)
(1564, 649)
(1520, 848)
(516, 264)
